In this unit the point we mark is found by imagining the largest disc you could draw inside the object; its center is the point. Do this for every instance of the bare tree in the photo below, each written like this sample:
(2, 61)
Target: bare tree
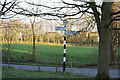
(8, 35)
(114, 34)
(33, 39)
(103, 17)
(6, 6)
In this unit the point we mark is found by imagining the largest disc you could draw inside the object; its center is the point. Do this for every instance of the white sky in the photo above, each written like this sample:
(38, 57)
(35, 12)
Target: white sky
(50, 3)
(69, 1)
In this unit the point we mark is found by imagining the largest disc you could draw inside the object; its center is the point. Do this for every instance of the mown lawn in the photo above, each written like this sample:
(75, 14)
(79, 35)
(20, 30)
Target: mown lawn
(52, 53)
(18, 73)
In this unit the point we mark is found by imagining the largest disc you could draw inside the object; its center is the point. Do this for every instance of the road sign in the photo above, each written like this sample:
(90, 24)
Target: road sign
(72, 32)
(60, 28)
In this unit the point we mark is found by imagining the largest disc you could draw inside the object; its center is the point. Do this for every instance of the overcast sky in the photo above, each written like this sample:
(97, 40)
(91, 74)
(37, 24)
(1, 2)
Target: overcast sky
(56, 1)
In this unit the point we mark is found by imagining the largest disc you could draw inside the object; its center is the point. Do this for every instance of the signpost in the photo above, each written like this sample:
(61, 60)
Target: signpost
(65, 32)
(64, 51)
(60, 28)
(72, 32)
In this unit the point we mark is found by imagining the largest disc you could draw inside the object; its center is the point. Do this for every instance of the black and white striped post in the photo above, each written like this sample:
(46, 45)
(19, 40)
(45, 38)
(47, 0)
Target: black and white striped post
(64, 52)
(65, 32)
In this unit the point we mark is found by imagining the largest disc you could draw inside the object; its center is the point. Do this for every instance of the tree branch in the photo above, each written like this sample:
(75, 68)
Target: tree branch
(96, 14)
(115, 13)
(76, 5)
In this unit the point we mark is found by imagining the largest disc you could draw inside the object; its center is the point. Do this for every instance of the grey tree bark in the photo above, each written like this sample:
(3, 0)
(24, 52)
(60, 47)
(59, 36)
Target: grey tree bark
(103, 25)
(104, 44)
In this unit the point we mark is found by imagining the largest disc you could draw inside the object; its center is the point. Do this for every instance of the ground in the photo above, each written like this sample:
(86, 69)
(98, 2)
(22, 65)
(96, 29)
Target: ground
(18, 73)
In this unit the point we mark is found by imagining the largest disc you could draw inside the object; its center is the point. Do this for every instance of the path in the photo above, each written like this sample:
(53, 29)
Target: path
(114, 73)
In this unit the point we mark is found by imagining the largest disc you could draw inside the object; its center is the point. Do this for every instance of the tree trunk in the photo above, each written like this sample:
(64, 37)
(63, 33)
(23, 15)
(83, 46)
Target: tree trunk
(103, 57)
(33, 50)
(8, 54)
(104, 42)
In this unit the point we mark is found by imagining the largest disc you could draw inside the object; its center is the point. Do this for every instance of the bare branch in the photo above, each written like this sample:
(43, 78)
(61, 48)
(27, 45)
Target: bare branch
(115, 28)
(116, 18)
(76, 5)
(7, 6)
(96, 13)
(115, 13)
(48, 6)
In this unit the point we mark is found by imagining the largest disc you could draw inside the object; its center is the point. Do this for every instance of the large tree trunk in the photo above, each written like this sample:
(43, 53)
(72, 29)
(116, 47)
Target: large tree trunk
(103, 57)
(104, 42)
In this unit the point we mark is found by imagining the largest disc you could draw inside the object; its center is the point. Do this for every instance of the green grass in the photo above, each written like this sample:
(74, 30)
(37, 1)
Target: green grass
(50, 53)
(18, 73)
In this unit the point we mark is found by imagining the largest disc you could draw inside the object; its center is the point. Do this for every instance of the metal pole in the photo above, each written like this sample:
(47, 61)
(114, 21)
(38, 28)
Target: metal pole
(64, 51)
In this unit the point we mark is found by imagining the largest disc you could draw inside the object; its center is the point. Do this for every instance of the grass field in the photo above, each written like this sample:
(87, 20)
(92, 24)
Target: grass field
(51, 53)
(18, 73)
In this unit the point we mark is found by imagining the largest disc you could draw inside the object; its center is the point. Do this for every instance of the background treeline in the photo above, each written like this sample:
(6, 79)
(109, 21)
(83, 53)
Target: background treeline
(16, 31)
